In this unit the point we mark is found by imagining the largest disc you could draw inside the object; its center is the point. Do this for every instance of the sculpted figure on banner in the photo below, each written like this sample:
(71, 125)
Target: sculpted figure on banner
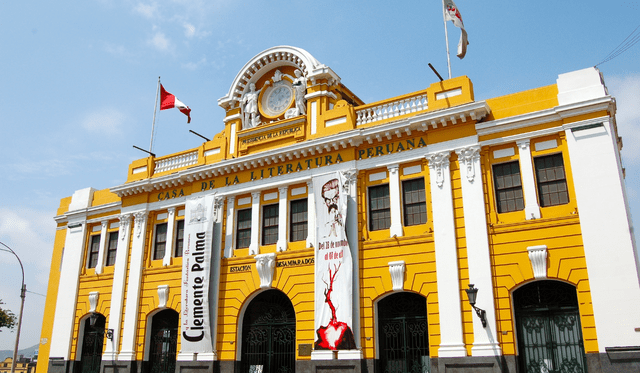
(249, 103)
(300, 86)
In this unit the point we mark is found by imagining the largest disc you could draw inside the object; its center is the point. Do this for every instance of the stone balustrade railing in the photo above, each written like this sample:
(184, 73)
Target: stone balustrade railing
(366, 115)
(176, 161)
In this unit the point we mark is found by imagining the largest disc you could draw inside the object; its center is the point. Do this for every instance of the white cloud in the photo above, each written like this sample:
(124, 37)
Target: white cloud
(30, 234)
(626, 90)
(160, 42)
(149, 11)
(194, 65)
(106, 121)
(189, 30)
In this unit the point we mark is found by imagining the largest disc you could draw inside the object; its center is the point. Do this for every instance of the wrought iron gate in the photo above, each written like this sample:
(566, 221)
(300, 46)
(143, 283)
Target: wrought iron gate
(549, 330)
(163, 340)
(403, 334)
(92, 342)
(269, 335)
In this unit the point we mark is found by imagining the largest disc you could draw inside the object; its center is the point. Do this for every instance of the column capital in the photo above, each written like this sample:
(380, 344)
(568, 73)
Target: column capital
(437, 162)
(467, 157)
(523, 144)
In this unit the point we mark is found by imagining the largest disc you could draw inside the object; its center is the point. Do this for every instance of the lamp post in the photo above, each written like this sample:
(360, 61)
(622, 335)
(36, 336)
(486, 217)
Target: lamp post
(23, 290)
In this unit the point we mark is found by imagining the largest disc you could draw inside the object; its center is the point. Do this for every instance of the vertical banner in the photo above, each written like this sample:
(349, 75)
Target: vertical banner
(196, 267)
(333, 283)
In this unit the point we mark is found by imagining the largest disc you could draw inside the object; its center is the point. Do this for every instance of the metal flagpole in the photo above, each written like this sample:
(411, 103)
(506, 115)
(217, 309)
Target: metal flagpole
(155, 108)
(446, 38)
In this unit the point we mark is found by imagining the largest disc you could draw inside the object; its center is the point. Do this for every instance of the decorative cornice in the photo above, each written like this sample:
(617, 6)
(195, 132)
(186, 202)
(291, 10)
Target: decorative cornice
(342, 140)
(557, 113)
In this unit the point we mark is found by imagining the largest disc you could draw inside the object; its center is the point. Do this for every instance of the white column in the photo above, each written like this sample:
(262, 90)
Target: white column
(485, 340)
(228, 246)
(311, 215)
(117, 288)
(283, 219)
(214, 282)
(64, 316)
(129, 332)
(531, 207)
(394, 199)
(101, 246)
(607, 234)
(254, 247)
(171, 222)
(451, 342)
(350, 180)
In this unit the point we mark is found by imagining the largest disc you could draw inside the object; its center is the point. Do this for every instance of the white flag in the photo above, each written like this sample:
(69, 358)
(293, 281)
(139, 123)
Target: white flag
(452, 13)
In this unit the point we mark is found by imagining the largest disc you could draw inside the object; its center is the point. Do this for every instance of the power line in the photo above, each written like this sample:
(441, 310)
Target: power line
(628, 42)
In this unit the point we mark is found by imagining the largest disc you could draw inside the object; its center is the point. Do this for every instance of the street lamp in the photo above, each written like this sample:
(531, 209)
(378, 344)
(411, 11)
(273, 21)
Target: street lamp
(472, 293)
(23, 290)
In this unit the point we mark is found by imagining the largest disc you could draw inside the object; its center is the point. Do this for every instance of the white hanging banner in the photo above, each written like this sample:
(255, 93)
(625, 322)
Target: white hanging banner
(196, 267)
(333, 266)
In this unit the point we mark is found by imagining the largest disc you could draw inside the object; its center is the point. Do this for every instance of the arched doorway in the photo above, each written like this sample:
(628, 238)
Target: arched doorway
(163, 342)
(269, 335)
(548, 327)
(92, 342)
(403, 337)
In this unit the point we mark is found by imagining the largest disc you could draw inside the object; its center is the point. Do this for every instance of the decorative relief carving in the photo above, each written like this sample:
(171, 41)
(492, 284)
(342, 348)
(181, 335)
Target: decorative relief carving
(93, 301)
(163, 296)
(218, 201)
(139, 220)
(265, 264)
(538, 258)
(125, 220)
(350, 177)
(437, 163)
(397, 269)
(467, 157)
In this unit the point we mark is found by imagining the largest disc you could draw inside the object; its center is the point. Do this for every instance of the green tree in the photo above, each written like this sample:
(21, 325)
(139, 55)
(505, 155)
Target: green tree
(7, 318)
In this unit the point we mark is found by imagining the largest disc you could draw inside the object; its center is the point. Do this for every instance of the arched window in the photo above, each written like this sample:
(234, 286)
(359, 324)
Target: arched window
(269, 334)
(92, 342)
(403, 337)
(548, 327)
(163, 342)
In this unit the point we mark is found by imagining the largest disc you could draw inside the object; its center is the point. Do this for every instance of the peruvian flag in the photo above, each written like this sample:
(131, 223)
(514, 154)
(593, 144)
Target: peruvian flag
(169, 101)
(452, 13)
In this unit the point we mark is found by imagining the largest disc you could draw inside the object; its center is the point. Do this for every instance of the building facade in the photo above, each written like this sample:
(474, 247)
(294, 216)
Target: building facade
(428, 232)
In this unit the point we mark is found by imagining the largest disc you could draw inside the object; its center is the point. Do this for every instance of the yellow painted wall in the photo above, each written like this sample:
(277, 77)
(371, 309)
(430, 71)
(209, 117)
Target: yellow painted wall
(52, 296)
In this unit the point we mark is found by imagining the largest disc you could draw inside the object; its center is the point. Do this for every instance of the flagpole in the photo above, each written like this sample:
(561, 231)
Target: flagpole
(155, 108)
(446, 38)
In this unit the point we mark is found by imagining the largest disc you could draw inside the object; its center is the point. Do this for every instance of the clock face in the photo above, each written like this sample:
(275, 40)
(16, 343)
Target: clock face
(277, 99)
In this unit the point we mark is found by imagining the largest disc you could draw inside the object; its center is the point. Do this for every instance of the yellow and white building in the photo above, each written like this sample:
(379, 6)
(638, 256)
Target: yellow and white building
(521, 196)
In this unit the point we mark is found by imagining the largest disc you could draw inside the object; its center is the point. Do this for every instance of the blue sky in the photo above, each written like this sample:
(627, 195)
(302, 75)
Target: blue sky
(78, 83)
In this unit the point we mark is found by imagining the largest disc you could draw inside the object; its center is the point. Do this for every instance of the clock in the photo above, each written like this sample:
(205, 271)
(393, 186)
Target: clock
(277, 99)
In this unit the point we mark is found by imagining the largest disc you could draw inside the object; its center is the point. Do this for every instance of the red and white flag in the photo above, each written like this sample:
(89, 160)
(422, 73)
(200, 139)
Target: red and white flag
(452, 13)
(169, 101)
